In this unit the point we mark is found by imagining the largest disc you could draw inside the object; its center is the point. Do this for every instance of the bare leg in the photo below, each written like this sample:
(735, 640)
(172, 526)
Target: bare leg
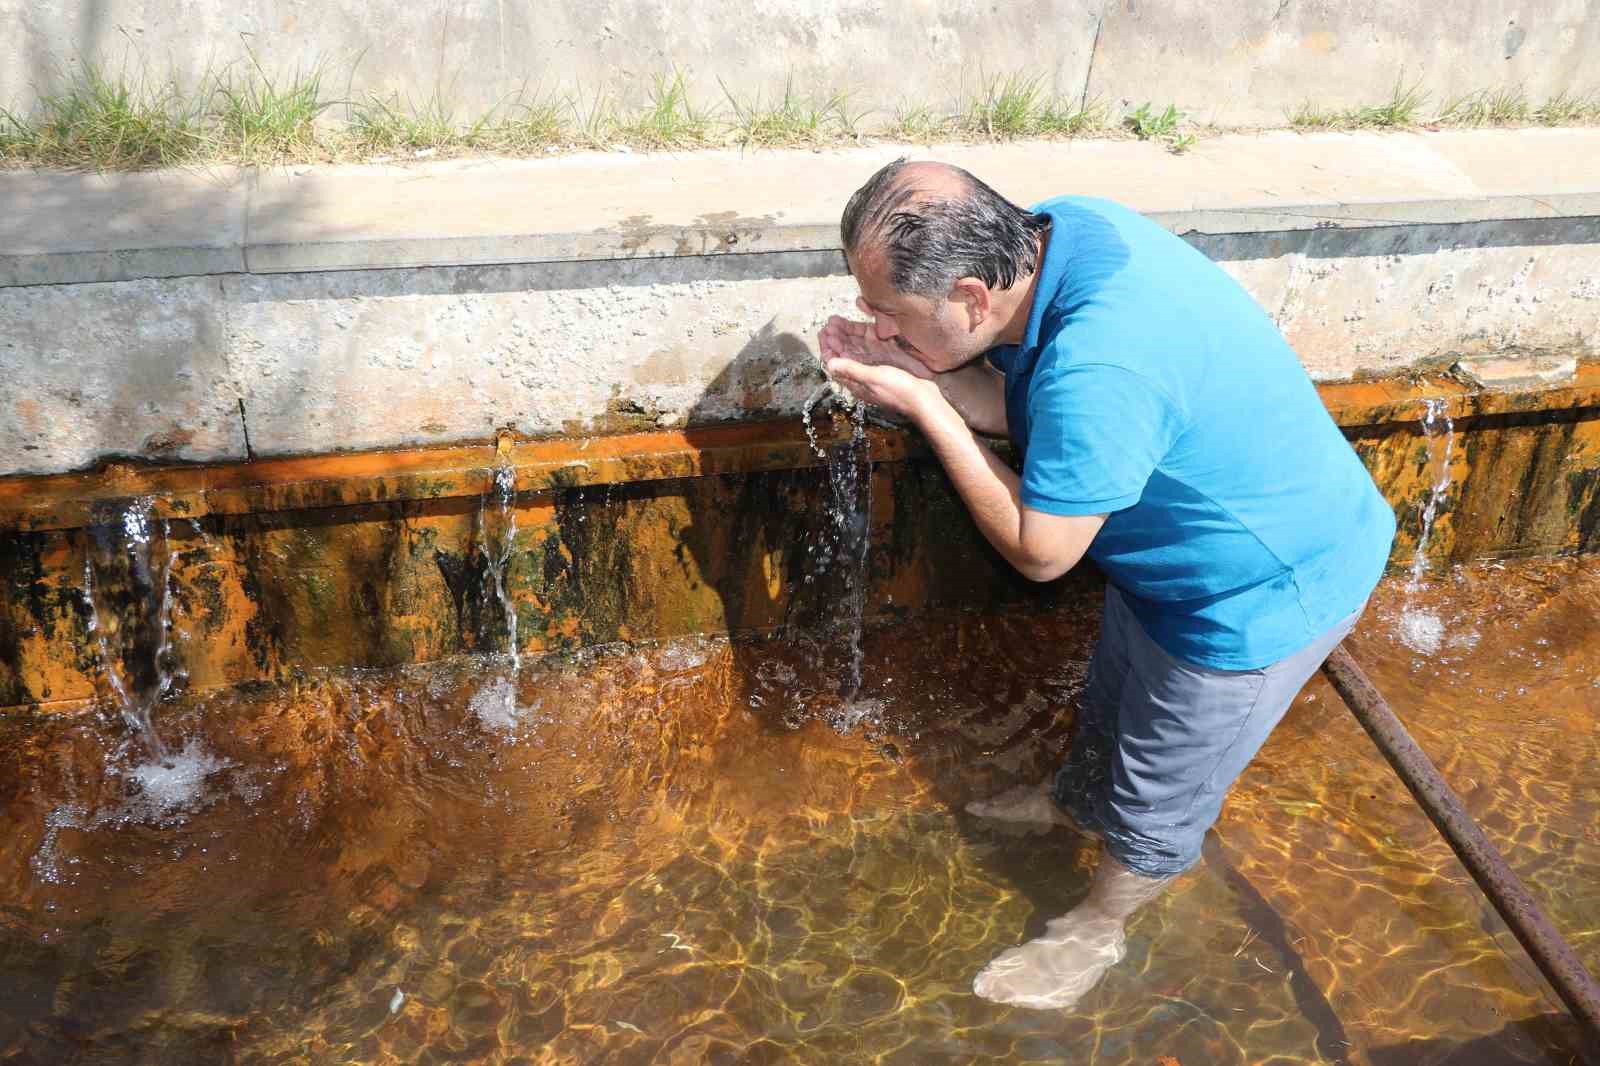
(1054, 971)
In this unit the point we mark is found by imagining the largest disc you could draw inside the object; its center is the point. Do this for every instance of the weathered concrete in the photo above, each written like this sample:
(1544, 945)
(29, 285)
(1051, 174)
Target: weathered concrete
(380, 558)
(1245, 63)
(398, 307)
(133, 368)
(1254, 63)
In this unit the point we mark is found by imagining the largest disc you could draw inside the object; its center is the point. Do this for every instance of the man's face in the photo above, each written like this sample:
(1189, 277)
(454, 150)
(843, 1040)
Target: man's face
(935, 332)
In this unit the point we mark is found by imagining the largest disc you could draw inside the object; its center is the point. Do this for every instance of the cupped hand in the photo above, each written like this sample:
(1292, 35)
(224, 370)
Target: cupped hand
(856, 341)
(875, 370)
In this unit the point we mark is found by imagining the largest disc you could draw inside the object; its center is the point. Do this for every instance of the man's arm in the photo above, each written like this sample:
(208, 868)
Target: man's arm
(1041, 546)
(978, 393)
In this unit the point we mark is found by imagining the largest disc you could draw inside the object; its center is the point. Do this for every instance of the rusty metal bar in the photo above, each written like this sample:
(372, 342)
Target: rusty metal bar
(1554, 957)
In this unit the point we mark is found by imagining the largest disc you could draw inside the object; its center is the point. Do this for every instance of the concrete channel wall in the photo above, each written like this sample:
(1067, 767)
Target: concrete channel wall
(224, 315)
(1243, 63)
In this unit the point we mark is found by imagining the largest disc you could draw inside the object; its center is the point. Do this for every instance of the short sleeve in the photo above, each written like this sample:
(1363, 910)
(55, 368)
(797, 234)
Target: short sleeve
(1096, 434)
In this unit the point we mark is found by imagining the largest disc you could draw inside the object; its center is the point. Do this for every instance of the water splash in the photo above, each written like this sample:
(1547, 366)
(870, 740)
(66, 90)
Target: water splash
(808, 415)
(850, 478)
(1423, 630)
(171, 786)
(840, 555)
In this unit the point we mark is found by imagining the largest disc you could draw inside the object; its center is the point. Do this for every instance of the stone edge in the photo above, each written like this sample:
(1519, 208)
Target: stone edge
(161, 257)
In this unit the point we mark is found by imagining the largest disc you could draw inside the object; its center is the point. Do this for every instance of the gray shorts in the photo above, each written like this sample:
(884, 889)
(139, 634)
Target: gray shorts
(1159, 741)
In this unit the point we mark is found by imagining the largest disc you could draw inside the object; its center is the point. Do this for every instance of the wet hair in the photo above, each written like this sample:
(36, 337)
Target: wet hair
(930, 241)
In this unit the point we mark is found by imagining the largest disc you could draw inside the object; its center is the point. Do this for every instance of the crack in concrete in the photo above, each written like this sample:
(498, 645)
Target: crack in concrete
(244, 423)
(1083, 98)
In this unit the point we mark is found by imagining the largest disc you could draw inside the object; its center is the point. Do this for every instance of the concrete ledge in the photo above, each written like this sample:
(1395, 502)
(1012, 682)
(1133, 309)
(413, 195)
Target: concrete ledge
(66, 228)
(73, 501)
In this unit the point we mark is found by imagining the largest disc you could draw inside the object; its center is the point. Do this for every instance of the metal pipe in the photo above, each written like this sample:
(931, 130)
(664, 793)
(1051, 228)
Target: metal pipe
(1554, 957)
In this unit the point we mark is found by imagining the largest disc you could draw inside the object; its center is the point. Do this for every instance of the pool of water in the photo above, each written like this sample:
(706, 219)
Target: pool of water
(699, 852)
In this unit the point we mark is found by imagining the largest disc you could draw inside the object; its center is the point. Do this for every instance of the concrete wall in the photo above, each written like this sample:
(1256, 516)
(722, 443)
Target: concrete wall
(1246, 63)
(358, 308)
(367, 359)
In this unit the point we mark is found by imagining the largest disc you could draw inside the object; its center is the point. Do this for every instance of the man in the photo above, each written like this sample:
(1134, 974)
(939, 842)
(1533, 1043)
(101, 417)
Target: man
(1169, 433)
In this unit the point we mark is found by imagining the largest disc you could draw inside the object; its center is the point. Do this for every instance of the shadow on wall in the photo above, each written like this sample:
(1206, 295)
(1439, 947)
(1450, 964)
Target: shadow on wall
(148, 365)
(46, 68)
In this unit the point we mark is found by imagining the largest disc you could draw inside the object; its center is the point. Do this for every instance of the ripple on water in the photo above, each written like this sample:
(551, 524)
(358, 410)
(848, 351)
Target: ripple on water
(691, 861)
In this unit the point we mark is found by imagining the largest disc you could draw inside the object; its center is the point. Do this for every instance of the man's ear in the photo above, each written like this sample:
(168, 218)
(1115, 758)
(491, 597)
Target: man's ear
(973, 294)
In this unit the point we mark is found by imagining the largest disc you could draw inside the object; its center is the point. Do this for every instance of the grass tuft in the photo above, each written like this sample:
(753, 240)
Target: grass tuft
(918, 124)
(1007, 108)
(670, 119)
(1067, 120)
(1486, 107)
(1147, 124)
(534, 124)
(1400, 110)
(261, 120)
(110, 123)
(1569, 109)
(247, 115)
(794, 119)
(386, 124)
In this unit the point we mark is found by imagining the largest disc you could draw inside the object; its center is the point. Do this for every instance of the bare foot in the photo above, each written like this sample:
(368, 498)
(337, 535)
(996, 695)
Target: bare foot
(1024, 803)
(1054, 971)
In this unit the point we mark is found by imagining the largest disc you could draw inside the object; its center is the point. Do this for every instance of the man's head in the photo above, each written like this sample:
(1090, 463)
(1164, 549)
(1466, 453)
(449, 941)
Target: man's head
(938, 256)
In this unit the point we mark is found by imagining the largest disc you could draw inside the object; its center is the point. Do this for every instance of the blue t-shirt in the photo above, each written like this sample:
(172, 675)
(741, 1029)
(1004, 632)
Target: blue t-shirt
(1152, 388)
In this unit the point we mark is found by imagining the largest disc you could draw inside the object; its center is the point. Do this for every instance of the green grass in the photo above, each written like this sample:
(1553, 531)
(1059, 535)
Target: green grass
(1006, 108)
(532, 124)
(114, 121)
(1057, 119)
(1569, 109)
(110, 123)
(792, 119)
(386, 124)
(1148, 124)
(670, 119)
(918, 124)
(1486, 107)
(1016, 105)
(263, 119)
(1401, 109)
(1508, 106)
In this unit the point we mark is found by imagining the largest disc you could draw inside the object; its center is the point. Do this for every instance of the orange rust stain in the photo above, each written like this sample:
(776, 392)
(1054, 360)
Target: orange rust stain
(30, 414)
(369, 559)
(1320, 42)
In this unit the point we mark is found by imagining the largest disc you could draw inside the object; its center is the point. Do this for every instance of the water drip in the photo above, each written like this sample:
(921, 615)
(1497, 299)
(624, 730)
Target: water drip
(495, 706)
(1423, 630)
(499, 522)
(1435, 413)
(127, 574)
(842, 550)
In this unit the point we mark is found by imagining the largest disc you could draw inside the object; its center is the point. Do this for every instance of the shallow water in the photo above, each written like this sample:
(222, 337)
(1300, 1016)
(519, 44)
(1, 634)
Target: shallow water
(695, 853)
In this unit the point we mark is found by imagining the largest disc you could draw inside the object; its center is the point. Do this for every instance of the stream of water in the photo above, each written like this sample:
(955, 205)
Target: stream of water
(1422, 630)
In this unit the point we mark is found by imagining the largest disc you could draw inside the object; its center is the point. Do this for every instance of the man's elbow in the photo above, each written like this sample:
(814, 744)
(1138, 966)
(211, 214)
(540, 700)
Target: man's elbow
(1045, 568)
